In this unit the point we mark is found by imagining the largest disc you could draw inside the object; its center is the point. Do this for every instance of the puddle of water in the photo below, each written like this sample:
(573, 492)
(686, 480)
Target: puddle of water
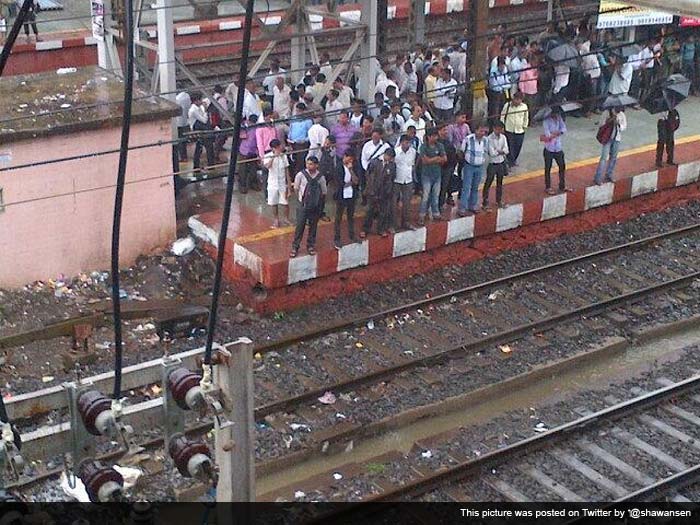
(598, 373)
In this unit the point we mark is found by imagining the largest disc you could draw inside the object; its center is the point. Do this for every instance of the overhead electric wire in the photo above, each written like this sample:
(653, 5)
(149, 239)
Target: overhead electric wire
(119, 197)
(228, 200)
(257, 76)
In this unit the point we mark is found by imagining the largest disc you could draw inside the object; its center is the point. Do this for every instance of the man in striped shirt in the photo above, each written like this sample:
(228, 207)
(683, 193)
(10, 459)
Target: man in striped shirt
(475, 147)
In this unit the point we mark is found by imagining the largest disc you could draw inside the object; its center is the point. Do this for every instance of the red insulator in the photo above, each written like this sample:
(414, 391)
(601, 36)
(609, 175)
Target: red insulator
(90, 405)
(182, 450)
(180, 382)
(102, 483)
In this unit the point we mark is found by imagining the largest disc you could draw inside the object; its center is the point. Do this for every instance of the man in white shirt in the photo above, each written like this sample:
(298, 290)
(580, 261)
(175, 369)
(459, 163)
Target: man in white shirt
(251, 104)
(326, 66)
(405, 160)
(647, 62)
(383, 84)
(270, 80)
(317, 137)
(183, 100)
(333, 108)
(475, 148)
(621, 78)
(498, 168)
(591, 72)
(277, 164)
(416, 121)
(373, 149)
(281, 98)
(231, 95)
(608, 155)
(345, 93)
(409, 81)
(446, 94)
(199, 121)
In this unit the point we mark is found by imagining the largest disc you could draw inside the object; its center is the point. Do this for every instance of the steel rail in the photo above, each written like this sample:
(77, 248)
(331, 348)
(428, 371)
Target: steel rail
(471, 467)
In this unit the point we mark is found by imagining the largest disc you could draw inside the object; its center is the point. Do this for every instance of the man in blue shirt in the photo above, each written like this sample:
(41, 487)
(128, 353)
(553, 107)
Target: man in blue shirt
(298, 137)
(554, 128)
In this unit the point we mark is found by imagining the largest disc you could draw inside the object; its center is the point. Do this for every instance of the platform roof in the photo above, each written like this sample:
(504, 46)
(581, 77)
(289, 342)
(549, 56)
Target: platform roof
(54, 103)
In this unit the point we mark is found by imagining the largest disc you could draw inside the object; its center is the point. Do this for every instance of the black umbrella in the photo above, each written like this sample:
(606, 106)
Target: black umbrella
(616, 101)
(667, 94)
(565, 54)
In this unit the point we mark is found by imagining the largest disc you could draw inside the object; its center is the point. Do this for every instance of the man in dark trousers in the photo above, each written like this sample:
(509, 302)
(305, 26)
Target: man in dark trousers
(329, 165)
(379, 191)
(310, 188)
(666, 131)
(347, 188)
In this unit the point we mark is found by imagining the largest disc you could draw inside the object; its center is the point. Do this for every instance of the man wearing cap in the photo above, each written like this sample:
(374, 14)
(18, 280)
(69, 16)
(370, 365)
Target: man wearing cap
(379, 192)
(310, 188)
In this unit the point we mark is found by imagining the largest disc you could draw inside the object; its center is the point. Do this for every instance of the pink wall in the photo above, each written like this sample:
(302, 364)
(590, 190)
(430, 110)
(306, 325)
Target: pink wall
(72, 233)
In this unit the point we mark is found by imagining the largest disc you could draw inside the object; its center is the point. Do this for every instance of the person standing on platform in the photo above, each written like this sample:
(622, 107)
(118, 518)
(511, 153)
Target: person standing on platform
(183, 100)
(281, 98)
(447, 169)
(381, 174)
(475, 148)
(432, 158)
(516, 119)
(310, 188)
(347, 187)
(276, 163)
(405, 158)
(247, 156)
(298, 137)
(264, 135)
(344, 133)
(372, 150)
(317, 136)
(329, 164)
(199, 122)
(445, 96)
(554, 128)
(666, 130)
(498, 167)
(30, 19)
(616, 123)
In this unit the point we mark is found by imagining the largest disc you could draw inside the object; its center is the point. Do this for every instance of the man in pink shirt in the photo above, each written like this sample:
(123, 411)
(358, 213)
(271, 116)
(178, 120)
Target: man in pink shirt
(528, 82)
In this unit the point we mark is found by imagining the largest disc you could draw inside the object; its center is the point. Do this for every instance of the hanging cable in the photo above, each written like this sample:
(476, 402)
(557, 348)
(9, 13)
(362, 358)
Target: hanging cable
(14, 32)
(216, 291)
(119, 193)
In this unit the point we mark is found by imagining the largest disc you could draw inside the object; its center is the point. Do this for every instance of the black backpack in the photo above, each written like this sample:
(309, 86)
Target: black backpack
(311, 200)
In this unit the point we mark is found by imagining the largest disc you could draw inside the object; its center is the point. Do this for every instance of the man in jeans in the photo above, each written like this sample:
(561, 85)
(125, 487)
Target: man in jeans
(498, 152)
(347, 187)
(432, 157)
(310, 188)
(608, 154)
(475, 148)
(406, 156)
(554, 128)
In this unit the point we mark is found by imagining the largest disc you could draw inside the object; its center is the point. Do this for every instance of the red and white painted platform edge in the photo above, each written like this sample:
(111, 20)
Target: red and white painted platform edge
(374, 249)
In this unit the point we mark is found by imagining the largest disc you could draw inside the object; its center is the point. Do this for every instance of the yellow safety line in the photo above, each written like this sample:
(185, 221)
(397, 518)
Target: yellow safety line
(276, 232)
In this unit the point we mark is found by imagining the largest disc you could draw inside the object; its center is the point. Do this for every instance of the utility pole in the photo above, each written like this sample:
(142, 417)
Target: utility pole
(166, 64)
(369, 48)
(550, 10)
(416, 23)
(298, 45)
(478, 28)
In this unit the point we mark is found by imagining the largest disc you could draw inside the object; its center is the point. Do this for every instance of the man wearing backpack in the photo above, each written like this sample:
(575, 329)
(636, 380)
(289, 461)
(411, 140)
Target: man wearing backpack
(666, 130)
(610, 136)
(311, 189)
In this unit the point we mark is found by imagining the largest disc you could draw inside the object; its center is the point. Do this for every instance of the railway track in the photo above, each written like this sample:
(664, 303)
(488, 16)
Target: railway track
(403, 346)
(626, 452)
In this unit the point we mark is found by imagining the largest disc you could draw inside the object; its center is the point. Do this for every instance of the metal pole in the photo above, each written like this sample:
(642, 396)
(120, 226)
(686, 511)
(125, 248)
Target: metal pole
(369, 19)
(298, 45)
(166, 48)
(477, 50)
(550, 10)
(419, 27)
(235, 439)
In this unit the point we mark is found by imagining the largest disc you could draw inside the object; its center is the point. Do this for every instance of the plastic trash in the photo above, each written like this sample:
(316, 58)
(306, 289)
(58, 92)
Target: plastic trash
(427, 454)
(328, 398)
(337, 476)
(66, 70)
(183, 246)
(505, 349)
(299, 494)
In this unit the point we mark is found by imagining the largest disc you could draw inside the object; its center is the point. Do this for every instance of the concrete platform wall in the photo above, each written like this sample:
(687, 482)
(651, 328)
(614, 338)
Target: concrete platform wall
(43, 236)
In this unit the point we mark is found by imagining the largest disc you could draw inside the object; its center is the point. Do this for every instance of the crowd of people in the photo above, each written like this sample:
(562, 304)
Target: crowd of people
(317, 140)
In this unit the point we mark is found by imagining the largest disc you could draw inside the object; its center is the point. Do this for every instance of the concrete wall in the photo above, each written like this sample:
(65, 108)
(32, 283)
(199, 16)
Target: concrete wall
(41, 237)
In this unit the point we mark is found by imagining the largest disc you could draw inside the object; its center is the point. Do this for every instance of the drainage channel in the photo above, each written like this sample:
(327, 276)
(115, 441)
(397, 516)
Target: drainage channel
(613, 363)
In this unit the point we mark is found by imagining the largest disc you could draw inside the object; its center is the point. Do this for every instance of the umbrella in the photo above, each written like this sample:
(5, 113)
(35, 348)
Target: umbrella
(629, 50)
(615, 101)
(565, 54)
(667, 94)
(545, 111)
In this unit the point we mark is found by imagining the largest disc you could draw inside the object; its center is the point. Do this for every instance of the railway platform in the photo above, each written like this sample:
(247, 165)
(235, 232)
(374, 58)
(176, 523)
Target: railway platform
(257, 256)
